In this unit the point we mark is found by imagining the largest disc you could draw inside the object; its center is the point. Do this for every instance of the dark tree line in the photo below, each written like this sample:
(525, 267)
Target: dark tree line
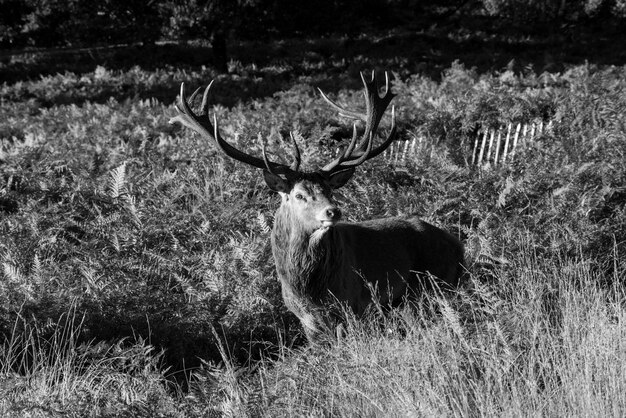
(85, 22)
(45, 23)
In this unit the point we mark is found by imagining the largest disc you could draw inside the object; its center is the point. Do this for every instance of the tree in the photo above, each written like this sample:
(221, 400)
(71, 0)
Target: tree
(219, 20)
(550, 11)
(12, 19)
(214, 20)
(78, 22)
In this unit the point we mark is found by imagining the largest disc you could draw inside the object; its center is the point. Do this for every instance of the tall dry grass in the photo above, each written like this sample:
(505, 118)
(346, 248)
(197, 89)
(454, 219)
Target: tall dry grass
(50, 372)
(542, 339)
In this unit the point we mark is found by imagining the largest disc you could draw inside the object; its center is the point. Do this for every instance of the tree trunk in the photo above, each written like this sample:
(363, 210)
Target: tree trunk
(220, 54)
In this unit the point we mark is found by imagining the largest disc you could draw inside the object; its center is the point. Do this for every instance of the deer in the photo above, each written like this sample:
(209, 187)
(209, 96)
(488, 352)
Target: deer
(321, 260)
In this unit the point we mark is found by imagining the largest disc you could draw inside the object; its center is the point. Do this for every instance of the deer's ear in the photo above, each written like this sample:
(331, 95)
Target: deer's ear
(276, 183)
(340, 178)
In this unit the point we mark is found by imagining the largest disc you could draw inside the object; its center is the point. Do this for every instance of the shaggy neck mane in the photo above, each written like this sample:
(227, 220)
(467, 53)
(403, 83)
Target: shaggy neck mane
(308, 260)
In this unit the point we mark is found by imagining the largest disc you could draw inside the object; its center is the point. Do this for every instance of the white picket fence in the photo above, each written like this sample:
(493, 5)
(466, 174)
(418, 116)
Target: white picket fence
(491, 147)
(401, 151)
(494, 146)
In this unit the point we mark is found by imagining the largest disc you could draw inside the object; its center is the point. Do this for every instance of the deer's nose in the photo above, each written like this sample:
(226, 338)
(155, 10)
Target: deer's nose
(333, 214)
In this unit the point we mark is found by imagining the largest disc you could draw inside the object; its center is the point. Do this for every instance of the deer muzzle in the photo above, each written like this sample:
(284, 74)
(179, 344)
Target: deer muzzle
(330, 216)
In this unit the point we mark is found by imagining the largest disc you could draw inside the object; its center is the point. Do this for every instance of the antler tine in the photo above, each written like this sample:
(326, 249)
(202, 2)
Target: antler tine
(352, 144)
(375, 107)
(268, 164)
(344, 155)
(390, 138)
(192, 99)
(204, 106)
(369, 153)
(201, 123)
(188, 118)
(342, 110)
(295, 165)
(361, 159)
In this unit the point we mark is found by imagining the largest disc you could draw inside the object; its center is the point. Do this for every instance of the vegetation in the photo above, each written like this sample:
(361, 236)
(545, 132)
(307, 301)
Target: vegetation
(81, 23)
(137, 277)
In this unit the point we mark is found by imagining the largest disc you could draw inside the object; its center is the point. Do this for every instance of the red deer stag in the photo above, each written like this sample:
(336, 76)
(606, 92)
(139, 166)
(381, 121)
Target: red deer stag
(318, 258)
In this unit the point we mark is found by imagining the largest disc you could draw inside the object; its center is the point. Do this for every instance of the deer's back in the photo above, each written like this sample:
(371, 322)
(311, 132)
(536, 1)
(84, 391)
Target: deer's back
(385, 249)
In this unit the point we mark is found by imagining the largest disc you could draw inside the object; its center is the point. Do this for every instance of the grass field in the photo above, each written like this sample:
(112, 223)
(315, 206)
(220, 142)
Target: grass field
(137, 277)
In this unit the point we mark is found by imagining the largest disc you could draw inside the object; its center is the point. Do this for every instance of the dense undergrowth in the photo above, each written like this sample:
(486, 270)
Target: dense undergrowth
(122, 236)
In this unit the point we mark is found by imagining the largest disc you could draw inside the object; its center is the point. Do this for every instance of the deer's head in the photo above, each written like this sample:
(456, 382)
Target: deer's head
(306, 195)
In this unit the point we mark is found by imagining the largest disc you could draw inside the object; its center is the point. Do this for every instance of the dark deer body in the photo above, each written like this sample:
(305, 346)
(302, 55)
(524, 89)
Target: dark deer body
(321, 260)
(345, 262)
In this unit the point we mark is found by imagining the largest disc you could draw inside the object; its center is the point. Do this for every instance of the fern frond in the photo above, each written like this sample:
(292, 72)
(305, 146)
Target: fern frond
(12, 272)
(36, 271)
(117, 180)
(264, 222)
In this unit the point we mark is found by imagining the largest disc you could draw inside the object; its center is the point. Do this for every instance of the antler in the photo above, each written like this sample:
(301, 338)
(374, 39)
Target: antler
(375, 107)
(202, 124)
